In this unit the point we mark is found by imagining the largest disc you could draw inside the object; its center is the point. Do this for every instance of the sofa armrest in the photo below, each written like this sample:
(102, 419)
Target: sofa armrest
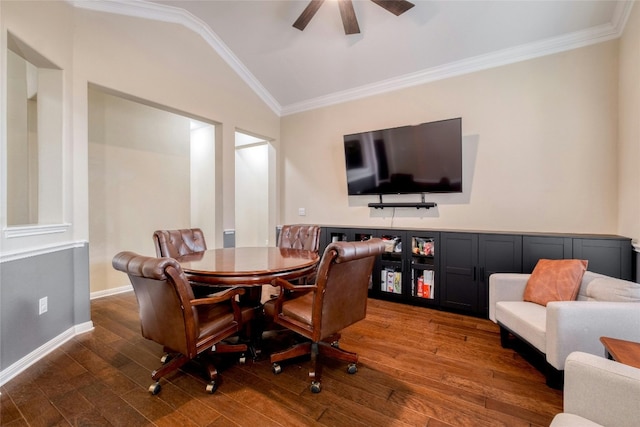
(505, 287)
(601, 390)
(578, 325)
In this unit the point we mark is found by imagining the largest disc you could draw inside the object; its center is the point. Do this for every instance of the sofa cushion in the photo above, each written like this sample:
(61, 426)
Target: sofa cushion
(570, 420)
(555, 280)
(589, 276)
(525, 319)
(614, 290)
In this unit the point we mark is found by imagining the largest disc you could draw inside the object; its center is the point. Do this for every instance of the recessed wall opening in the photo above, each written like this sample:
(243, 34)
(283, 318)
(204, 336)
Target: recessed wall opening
(34, 137)
(252, 190)
(149, 168)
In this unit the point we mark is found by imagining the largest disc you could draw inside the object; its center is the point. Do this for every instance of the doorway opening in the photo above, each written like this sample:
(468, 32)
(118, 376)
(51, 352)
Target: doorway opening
(252, 190)
(149, 168)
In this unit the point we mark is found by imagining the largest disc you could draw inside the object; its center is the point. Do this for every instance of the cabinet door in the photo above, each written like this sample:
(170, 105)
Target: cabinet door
(333, 234)
(498, 253)
(458, 282)
(547, 247)
(422, 253)
(606, 256)
(388, 275)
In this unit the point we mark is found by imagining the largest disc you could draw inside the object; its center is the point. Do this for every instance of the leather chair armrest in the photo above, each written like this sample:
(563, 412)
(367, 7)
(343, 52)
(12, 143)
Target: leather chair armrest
(218, 297)
(226, 295)
(285, 284)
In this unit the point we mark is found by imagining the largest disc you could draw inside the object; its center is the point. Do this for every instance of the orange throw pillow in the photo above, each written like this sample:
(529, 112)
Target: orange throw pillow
(555, 280)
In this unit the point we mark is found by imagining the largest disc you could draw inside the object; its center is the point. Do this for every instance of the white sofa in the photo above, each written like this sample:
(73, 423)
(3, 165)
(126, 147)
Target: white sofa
(605, 306)
(599, 392)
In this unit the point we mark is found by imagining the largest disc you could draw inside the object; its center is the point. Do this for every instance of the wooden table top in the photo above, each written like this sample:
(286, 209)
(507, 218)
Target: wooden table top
(627, 352)
(248, 265)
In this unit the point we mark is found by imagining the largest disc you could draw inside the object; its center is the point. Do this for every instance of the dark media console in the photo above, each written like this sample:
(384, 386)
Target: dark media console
(449, 270)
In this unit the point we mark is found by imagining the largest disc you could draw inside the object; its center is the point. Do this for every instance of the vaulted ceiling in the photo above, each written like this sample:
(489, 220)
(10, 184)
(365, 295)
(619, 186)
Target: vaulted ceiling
(295, 70)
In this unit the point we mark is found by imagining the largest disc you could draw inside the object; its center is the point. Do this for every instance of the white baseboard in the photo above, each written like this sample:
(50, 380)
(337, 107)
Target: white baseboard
(112, 291)
(16, 368)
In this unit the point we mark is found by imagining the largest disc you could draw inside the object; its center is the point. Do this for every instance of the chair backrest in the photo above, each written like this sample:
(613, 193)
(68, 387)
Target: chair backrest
(343, 285)
(164, 294)
(300, 237)
(175, 243)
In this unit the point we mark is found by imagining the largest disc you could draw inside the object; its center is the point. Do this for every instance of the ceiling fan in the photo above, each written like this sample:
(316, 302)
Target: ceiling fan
(349, 20)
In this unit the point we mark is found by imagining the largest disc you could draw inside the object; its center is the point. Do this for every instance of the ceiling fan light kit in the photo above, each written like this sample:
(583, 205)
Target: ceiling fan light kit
(348, 14)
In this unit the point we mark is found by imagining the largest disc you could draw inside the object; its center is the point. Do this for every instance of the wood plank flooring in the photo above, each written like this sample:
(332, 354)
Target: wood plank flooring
(418, 367)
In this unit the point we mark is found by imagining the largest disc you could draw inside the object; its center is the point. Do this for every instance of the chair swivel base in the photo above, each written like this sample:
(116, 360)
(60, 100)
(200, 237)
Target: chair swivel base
(328, 348)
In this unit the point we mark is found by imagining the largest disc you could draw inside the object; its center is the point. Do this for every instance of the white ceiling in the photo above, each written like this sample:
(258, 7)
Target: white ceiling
(296, 70)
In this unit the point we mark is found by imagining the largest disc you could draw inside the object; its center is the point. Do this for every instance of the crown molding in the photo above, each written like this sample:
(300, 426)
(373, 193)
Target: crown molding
(174, 15)
(146, 10)
(525, 52)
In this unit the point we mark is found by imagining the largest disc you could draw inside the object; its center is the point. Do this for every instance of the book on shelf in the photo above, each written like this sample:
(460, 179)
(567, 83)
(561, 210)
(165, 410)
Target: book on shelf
(424, 284)
(391, 281)
(421, 246)
(429, 276)
(397, 282)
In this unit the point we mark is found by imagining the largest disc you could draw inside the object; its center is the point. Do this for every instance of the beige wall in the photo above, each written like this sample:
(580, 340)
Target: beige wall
(540, 137)
(171, 66)
(629, 129)
(539, 149)
(18, 151)
(164, 64)
(47, 28)
(139, 180)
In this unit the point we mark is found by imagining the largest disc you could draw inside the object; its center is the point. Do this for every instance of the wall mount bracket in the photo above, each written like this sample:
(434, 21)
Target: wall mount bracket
(417, 205)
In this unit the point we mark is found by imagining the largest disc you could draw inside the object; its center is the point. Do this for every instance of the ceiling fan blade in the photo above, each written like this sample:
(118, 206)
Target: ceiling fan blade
(397, 7)
(349, 20)
(307, 14)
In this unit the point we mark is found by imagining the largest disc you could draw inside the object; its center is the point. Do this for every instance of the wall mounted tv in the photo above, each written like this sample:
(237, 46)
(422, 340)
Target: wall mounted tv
(425, 158)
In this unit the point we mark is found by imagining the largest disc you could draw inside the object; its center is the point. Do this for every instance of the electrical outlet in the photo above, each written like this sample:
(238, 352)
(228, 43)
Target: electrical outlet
(302, 211)
(43, 305)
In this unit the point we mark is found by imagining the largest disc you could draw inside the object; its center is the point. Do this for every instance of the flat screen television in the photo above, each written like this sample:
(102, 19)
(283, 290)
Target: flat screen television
(425, 158)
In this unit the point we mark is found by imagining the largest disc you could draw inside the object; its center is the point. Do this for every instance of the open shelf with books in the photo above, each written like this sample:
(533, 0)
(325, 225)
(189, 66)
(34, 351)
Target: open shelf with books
(408, 269)
(390, 267)
(422, 255)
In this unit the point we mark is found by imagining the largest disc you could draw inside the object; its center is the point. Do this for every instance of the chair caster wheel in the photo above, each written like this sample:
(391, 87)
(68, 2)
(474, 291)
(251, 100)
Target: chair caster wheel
(242, 360)
(315, 387)
(212, 387)
(155, 388)
(352, 368)
(335, 344)
(164, 359)
(276, 369)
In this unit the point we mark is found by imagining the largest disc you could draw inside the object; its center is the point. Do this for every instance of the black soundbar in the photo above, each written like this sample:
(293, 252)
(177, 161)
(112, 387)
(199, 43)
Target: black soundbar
(417, 205)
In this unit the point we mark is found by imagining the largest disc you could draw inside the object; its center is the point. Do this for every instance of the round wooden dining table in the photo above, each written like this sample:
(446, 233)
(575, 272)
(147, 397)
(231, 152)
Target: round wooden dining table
(247, 266)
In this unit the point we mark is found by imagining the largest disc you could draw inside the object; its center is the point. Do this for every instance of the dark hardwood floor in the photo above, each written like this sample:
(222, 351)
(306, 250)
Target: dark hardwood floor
(418, 367)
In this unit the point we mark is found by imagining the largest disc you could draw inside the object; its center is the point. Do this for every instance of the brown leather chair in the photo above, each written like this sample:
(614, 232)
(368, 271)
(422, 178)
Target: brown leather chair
(337, 299)
(296, 236)
(175, 243)
(170, 315)
(299, 236)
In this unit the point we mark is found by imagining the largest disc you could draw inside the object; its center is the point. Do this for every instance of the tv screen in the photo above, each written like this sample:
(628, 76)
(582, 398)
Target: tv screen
(425, 158)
